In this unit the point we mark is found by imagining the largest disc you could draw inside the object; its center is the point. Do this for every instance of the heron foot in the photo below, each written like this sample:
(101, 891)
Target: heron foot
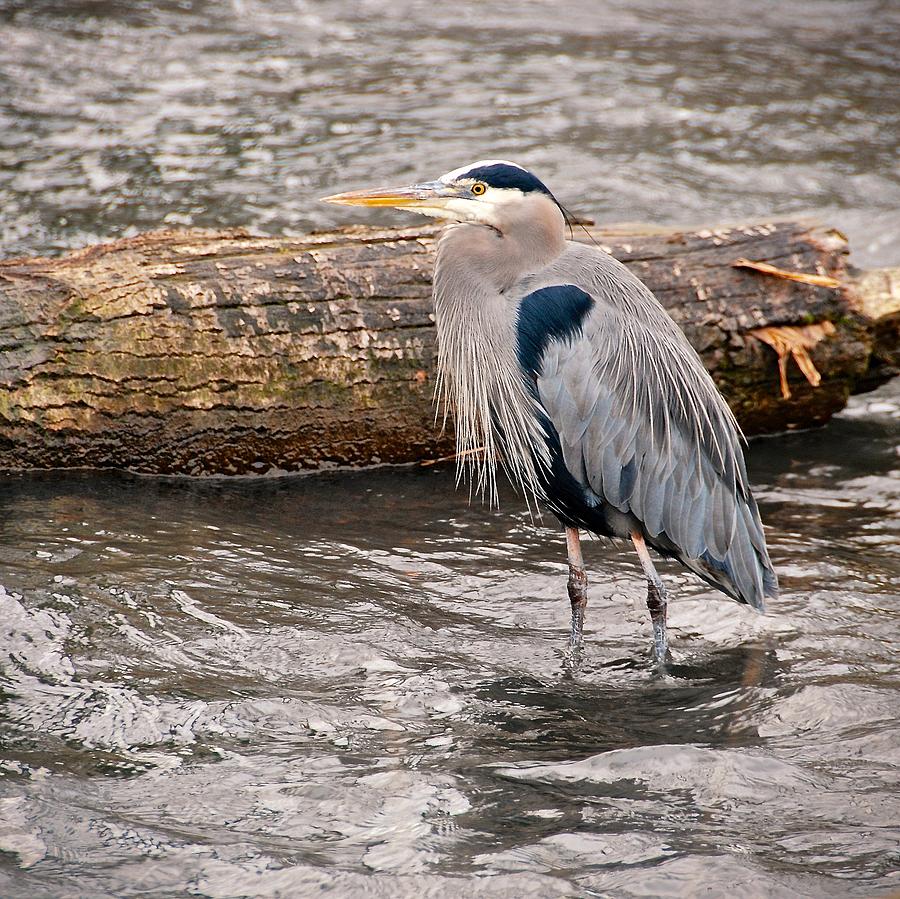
(656, 603)
(577, 587)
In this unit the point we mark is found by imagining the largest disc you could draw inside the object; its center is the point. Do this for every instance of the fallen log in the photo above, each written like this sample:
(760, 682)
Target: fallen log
(207, 352)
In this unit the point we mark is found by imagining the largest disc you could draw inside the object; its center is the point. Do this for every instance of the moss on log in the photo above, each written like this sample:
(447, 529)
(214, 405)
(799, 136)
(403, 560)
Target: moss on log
(204, 352)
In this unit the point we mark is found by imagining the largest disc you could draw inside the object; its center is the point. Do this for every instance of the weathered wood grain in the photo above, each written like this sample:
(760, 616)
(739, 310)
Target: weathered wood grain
(221, 352)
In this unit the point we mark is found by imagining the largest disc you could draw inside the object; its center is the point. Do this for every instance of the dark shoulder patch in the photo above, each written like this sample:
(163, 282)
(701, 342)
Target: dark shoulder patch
(551, 313)
(508, 176)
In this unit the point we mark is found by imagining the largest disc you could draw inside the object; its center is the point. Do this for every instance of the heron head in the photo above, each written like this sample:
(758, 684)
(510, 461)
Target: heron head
(485, 192)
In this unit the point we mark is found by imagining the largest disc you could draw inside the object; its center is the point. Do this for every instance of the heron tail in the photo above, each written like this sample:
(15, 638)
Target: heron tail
(745, 573)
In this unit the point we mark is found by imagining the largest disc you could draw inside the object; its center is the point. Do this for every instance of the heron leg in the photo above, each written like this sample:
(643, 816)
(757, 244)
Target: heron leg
(577, 586)
(656, 599)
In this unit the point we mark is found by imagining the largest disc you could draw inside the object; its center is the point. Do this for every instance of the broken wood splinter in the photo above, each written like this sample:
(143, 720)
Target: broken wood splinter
(427, 462)
(802, 277)
(796, 341)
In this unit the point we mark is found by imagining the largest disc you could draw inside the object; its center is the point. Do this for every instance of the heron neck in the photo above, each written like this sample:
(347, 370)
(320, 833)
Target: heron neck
(479, 376)
(525, 239)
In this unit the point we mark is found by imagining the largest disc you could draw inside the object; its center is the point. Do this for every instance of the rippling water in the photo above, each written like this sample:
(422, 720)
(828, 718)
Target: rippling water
(355, 684)
(117, 116)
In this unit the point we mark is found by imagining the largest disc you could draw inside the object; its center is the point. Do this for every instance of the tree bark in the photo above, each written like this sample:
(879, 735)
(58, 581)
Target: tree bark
(204, 352)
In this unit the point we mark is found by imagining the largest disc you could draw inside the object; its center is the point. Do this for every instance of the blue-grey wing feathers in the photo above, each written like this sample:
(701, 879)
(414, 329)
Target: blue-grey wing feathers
(641, 426)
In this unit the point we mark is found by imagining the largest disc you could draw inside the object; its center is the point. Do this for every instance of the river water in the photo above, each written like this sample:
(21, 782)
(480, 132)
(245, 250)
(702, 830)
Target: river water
(354, 684)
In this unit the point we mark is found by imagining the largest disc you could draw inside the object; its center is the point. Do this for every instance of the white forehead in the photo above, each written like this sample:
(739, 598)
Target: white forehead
(461, 172)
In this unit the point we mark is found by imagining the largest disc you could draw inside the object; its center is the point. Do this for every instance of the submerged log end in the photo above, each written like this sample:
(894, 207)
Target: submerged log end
(875, 295)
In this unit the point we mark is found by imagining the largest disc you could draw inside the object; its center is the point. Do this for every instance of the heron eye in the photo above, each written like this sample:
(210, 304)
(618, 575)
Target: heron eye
(478, 188)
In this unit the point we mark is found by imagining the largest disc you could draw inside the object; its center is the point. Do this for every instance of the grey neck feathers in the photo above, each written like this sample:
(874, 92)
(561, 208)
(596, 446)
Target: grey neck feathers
(479, 377)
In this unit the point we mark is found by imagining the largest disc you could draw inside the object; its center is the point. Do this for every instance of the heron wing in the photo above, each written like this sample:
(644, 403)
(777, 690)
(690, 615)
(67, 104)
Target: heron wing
(642, 425)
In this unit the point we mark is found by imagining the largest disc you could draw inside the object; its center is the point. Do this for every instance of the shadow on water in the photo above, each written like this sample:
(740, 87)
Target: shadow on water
(710, 701)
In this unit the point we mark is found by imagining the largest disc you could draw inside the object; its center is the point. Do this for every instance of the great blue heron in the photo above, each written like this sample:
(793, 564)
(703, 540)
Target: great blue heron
(558, 361)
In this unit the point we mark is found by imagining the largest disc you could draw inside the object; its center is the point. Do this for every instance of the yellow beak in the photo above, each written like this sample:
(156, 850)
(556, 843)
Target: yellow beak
(432, 194)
